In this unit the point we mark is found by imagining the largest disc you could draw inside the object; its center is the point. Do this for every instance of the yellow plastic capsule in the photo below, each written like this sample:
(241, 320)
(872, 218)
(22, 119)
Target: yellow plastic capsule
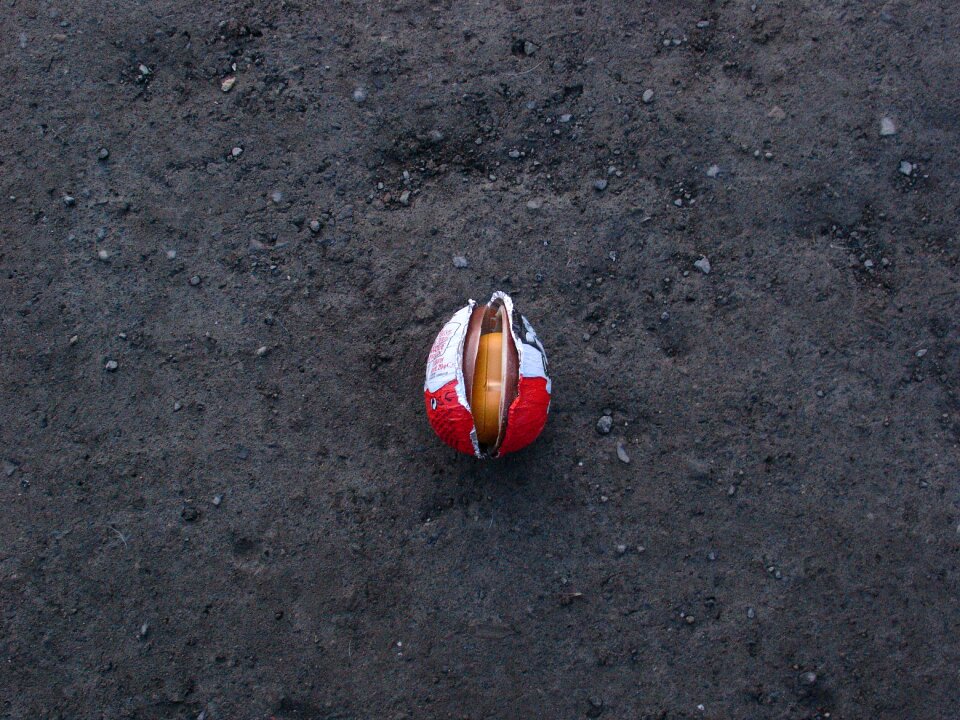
(487, 395)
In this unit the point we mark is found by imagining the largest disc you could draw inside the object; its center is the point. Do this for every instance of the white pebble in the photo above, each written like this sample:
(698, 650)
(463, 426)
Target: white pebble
(906, 167)
(703, 265)
(713, 171)
(887, 127)
(648, 95)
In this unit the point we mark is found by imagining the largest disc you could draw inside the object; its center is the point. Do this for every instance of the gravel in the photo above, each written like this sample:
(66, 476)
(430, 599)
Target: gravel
(906, 168)
(459, 261)
(604, 424)
(887, 127)
(111, 365)
(359, 95)
(622, 454)
(648, 95)
(703, 265)
(713, 171)
(600, 185)
(103, 153)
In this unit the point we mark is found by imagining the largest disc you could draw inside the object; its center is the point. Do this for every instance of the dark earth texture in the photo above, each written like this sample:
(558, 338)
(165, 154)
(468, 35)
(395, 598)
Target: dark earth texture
(247, 516)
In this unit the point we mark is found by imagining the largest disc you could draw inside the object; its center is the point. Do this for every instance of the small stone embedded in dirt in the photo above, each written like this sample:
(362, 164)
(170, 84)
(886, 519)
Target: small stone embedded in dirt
(906, 167)
(594, 706)
(177, 406)
(777, 113)
(74, 339)
(648, 95)
(9, 468)
(566, 117)
(217, 499)
(228, 83)
(459, 261)
(887, 127)
(600, 185)
(405, 198)
(189, 513)
(359, 94)
(808, 678)
(713, 171)
(621, 549)
(171, 254)
(529, 48)
(314, 226)
(103, 154)
(69, 200)
(195, 280)
(703, 265)
(921, 352)
(277, 197)
(111, 365)
(604, 424)
(236, 151)
(534, 204)
(703, 24)
(262, 351)
(514, 154)
(103, 255)
(144, 629)
(622, 454)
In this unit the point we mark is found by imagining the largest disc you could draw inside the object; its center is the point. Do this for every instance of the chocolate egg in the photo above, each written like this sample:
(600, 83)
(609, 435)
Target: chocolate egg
(487, 392)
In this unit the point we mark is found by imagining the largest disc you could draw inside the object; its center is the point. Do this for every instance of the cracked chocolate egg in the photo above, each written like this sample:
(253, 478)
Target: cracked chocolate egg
(487, 392)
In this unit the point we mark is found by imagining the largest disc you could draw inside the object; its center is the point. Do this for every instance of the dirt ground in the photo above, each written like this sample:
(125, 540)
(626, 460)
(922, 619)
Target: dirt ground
(221, 498)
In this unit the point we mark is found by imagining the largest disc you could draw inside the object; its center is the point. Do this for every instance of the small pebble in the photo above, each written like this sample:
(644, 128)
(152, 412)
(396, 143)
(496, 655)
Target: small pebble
(74, 339)
(144, 629)
(648, 95)
(534, 204)
(359, 95)
(703, 24)
(103, 153)
(713, 171)
(111, 365)
(604, 425)
(906, 168)
(314, 226)
(237, 151)
(195, 280)
(868, 263)
(514, 154)
(276, 196)
(405, 198)
(228, 83)
(171, 254)
(808, 678)
(622, 454)
(921, 352)
(529, 48)
(217, 499)
(600, 185)
(621, 549)
(262, 350)
(459, 261)
(566, 117)
(703, 265)
(144, 70)
(101, 233)
(69, 200)
(751, 613)
(103, 255)
(776, 113)
(887, 127)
